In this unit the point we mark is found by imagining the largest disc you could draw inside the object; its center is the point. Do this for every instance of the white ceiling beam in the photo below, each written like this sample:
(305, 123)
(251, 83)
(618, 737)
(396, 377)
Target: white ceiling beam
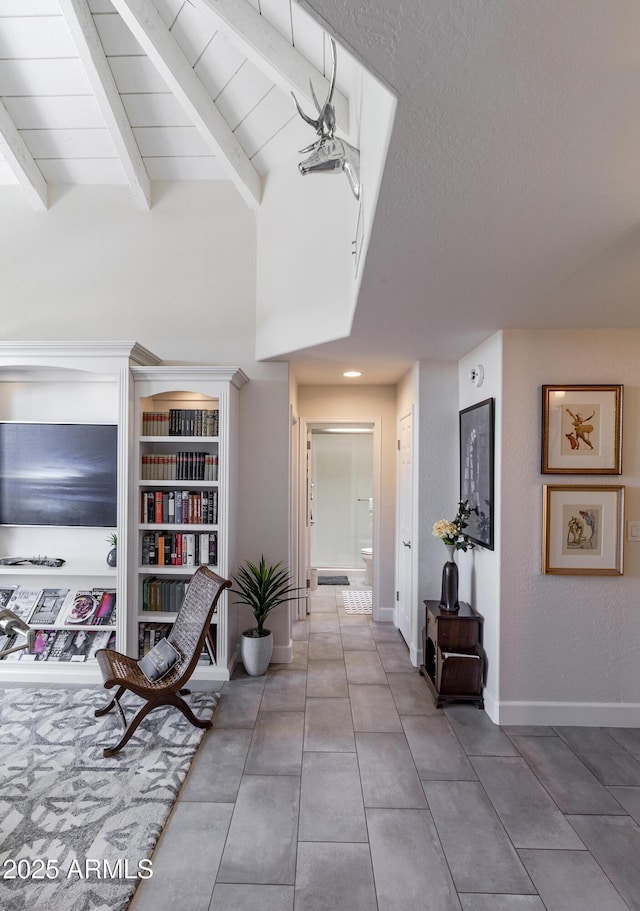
(21, 162)
(156, 40)
(271, 53)
(85, 36)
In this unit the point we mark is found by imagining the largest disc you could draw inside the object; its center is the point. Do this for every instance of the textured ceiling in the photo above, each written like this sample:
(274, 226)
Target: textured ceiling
(511, 195)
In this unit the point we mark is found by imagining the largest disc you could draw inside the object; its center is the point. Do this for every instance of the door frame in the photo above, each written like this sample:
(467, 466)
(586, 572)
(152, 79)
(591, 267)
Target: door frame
(305, 425)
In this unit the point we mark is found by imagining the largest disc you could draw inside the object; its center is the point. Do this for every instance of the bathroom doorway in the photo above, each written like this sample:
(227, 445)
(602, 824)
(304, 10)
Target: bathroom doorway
(341, 467)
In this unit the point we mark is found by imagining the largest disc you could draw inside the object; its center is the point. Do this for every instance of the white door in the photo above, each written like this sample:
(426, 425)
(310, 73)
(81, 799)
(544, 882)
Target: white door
(406, 609)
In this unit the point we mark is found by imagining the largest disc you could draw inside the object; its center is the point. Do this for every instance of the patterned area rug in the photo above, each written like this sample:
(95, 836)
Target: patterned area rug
(356, 602)
(76, 828)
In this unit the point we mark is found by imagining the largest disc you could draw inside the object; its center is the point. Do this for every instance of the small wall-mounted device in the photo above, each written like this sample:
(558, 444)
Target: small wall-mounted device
(476, 375)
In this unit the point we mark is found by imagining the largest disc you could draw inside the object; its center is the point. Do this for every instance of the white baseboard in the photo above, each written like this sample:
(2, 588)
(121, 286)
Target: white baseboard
(587, 714)
(282, 654)
(385, 615)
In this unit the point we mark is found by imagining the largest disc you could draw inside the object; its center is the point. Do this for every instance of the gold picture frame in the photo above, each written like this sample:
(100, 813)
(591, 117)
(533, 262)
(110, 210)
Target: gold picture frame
(582, 529)
(582, 429)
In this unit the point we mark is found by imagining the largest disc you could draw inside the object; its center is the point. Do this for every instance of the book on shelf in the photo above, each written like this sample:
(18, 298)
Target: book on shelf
(76, 647)
(100, 639)
(106, 610)
(48, 606)
(185, 465)
(23, 601)
(6, 593)
(79, 610)
(42, 644)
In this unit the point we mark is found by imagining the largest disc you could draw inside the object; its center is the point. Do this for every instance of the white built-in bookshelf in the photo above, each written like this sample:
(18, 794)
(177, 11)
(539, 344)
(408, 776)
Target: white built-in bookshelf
(52, 396)
(185, 493)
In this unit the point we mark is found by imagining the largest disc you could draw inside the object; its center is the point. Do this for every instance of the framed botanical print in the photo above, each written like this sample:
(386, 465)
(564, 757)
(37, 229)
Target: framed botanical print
(476, 470)
(583, 530)
(582, 429)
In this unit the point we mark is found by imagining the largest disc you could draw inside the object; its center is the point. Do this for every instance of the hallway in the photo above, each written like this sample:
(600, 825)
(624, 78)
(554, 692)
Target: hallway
(333, 783)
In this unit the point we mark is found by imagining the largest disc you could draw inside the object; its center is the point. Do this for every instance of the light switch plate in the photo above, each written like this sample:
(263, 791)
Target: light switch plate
(633, 530)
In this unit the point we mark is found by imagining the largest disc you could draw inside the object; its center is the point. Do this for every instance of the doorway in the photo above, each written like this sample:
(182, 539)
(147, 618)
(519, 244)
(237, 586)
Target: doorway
(340, 492)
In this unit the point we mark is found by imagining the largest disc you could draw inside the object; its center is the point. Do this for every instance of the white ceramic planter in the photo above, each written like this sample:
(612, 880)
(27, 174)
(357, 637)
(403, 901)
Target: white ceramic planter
(256, 652)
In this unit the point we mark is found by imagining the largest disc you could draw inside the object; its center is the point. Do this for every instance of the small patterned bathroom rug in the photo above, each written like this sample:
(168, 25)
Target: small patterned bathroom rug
(357, 602)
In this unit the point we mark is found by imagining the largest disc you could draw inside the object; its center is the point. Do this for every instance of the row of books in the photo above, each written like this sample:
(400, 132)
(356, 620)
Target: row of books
(179, 549)
(149, 634)
(179, 507)
(179, 466)
(163, 594)
(181, 422)
(61, 606)
(62, 645)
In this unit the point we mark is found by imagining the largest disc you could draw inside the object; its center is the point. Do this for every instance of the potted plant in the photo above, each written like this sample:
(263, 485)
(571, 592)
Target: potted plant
(112, 556)
(262, 588)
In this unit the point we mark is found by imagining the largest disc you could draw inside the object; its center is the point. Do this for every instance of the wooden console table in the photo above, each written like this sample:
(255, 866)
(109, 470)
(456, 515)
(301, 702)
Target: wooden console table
(452, 653)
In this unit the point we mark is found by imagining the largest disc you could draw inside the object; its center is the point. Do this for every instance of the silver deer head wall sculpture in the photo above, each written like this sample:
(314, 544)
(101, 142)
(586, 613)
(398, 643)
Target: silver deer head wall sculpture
(328, 153)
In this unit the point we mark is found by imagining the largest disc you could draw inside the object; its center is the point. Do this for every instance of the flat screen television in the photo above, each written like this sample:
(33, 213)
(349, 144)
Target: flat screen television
(58, 474)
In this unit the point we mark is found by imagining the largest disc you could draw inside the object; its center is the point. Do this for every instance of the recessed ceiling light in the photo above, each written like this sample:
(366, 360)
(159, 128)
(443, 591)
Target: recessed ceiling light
(351, 373)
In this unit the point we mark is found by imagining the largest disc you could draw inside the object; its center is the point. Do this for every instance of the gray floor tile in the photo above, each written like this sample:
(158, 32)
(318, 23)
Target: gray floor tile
(240, 897)
(408, 863)
(285, 690)
(475, 902)
(325, 645)
(327, 678)
(364, 667)
(614, 842)
(480, 856)
(477, 733)
(388, 773)
(629, 798)
(609, 762)
(328, 726)
(331, 807)
(566, 778)
(276, 745)
(373, 708)
(435, 748)
(334, 876)
(385, 632)
(300, 629)
(186, 859)
(395, 657)
(571, 881)
(357, 638)
(529, 815)
(410, 694)
(215, 775)
(629, 738)
(324, 623)
(239, 703)
(261, 844)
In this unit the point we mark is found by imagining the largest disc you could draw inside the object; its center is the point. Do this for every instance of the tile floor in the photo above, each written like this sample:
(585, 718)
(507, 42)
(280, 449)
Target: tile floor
(332, 784)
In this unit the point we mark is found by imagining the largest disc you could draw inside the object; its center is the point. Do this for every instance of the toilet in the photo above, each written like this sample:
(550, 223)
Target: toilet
(367, 556)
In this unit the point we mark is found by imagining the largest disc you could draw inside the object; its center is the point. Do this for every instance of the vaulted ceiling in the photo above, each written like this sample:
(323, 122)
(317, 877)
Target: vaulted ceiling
(511, 194)
(113, 91)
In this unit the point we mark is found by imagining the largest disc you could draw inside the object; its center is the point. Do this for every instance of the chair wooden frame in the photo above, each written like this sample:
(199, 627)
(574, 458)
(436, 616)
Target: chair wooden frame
(192, 627)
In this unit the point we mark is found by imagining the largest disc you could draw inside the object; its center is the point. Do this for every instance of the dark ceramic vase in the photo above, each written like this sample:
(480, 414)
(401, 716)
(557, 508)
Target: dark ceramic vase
(449, 593)
(112, 557)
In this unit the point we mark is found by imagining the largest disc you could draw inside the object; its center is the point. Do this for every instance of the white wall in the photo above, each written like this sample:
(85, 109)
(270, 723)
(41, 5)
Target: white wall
(560, 649)
(480, 569)
(570, 645)
(180, 279)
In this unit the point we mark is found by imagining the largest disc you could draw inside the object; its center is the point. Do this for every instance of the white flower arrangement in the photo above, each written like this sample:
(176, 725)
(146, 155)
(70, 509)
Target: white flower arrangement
(451, 532)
